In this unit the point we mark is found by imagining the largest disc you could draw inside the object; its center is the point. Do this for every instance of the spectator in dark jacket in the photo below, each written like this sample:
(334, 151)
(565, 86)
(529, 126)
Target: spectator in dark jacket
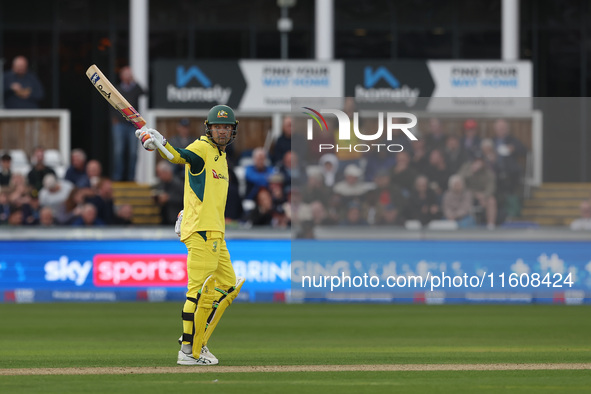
(22, 89)
(168, 193)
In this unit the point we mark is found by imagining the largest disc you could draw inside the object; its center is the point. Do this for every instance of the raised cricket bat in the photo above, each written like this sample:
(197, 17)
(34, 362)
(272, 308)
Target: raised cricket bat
(116, 99)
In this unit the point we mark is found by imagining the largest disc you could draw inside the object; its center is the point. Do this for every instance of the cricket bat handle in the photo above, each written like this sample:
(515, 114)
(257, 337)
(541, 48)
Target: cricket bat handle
(162, 149)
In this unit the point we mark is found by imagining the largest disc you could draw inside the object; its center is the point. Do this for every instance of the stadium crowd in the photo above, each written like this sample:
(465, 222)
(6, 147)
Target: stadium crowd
(460, 178)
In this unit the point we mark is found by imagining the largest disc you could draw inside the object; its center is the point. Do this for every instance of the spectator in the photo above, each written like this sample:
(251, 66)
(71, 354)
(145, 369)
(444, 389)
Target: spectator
(389, 201)
(94, 172)
(74, 203)
(54, 195)
(88, 217)
(437, 172)
(354, 215)
(423, 203)
(262, 214)
(31, 210)
(39, 170)
(352, 188)
(4, 207)
(76, 173)
(257, 174)
(510, 152)
(16, 217)
(22, 89)
(283, 143)
(330, 165)
(471, 139)
(276, 187)
(457, 203)
(435, 138)
(480, 180)
(584, 221)
(455, 156)
(377, 162)
(123, 215)
(420, 156)
(103, 201)
(46, 218)
(18, 190)
(5, 170)
(168, 193)
(123, 132)
(403, 174)
(291, 170)
(181, 139)
(315, 189)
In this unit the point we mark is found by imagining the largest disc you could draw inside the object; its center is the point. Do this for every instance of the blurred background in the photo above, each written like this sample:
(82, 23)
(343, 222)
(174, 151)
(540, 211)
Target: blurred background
(71, 171)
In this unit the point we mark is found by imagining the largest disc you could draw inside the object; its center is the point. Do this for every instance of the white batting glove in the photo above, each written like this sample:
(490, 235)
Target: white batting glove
(177, 225)
(147, 137)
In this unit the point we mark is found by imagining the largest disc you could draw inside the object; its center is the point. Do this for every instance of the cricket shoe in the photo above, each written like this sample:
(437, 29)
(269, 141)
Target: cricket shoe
(206, 354)
(188, 359)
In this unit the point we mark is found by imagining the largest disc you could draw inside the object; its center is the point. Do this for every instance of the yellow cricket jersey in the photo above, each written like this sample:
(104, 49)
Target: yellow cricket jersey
(206, 186)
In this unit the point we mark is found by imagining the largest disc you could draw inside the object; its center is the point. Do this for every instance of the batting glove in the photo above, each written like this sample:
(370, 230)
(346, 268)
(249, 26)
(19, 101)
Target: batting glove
(147, 137)
(177, 225)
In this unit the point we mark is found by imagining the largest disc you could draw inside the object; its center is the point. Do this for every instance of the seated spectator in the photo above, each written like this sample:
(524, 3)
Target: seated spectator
(46, 218)
(403, 174)
(352, 188)
(330, 165)
(283, 143)
(168, 193)
(276, 187)
(54, 194)
(39, 171)
(481, 180)
(471, 139)
(18, 190)
(584, 221)
(4, 207)
(437, 172)
(455, 156)
(388, 200)
(88, 217)
(123, 215)
(262, 214)
(423, 203)
(16, 217)
(435, 137)
(76, 173)
(94, 171)
(5, 170)
(420, 156)
(376, 162)
(354, 215)
(31, 210)
(457, 203)
(315, 189)
(293, 173)
(74, 203)
(103, 201)
(257, 174)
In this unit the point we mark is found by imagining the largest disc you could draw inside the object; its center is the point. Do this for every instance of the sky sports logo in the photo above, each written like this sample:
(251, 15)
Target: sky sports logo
(402, 121)
(131, 270)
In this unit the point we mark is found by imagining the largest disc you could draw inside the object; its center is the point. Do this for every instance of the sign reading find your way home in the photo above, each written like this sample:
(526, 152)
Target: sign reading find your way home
(268, 85)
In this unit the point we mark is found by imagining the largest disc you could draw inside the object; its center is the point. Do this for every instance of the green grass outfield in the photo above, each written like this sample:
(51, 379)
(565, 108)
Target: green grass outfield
(36, 336)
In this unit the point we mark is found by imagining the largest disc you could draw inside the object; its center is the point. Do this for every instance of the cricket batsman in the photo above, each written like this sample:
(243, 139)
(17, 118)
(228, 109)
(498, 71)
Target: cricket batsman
(212, 283)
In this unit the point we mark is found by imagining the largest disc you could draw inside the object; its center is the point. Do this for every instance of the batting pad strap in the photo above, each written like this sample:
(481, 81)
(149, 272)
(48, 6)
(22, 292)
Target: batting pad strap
(194, 300)
(188, 338)
(222, 291)
(187, 316)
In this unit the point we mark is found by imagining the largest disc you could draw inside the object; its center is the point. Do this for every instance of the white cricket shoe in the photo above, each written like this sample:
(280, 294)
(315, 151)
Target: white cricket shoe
(206, 354)
(188, 359)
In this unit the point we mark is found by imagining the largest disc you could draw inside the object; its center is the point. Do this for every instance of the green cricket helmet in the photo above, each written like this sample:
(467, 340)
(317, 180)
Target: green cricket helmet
(221, 114)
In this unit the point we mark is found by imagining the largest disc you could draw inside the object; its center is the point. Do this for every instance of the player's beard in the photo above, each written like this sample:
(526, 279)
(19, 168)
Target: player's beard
(222, 141)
